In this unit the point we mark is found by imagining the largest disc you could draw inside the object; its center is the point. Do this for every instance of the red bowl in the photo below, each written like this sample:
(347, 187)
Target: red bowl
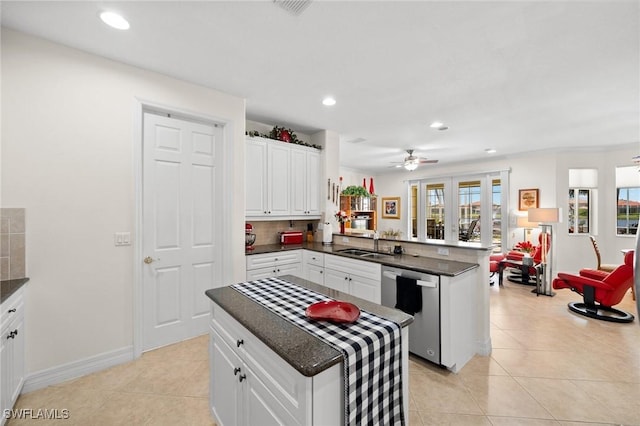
(334, 311)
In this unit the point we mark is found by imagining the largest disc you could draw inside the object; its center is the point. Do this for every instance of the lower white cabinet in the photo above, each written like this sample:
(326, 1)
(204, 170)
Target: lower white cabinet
(356, 277)
(251, 385)
(12, 351)
(313, 266)
(274, 264)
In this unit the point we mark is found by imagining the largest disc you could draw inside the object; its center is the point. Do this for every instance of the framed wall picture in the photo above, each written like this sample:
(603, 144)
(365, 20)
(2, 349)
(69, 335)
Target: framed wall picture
(391, 207)
(528, 199)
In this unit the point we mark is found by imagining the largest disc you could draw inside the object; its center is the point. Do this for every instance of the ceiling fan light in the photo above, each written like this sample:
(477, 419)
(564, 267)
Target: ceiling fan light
(411, 165)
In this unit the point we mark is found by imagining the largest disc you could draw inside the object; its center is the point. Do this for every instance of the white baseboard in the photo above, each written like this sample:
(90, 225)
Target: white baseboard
(62, 373)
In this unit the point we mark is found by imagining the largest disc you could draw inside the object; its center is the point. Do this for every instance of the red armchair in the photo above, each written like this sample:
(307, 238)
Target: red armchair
(600, 291)
(529, 274)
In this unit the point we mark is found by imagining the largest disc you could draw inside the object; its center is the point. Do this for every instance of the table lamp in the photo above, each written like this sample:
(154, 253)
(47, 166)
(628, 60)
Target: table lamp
(546, 217)
(523, 222)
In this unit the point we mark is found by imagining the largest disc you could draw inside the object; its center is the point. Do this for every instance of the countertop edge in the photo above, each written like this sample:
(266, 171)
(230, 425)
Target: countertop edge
(403, 261)
(8, 287)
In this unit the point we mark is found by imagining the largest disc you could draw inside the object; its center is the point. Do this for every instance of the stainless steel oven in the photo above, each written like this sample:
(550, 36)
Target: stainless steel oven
(424, 332)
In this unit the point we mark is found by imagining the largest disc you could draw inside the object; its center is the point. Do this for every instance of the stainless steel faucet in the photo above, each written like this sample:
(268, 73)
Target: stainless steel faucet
(375, 241)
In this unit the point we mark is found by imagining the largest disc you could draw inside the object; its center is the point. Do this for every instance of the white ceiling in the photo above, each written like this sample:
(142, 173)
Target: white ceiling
(511, 75)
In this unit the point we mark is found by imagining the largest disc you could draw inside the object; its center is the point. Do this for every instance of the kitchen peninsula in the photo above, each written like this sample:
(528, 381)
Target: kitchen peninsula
(459, 269)
(263, 366)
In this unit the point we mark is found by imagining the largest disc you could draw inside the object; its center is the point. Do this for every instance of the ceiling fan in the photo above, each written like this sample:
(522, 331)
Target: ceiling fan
(411, 162)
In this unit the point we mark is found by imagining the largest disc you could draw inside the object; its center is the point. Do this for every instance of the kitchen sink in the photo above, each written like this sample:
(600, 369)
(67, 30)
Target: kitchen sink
(376, 255)
(354, 251)
(363, 253)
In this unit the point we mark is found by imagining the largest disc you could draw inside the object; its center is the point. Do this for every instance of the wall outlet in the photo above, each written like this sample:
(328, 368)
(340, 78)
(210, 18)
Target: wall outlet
(443, 251)
(345, 239)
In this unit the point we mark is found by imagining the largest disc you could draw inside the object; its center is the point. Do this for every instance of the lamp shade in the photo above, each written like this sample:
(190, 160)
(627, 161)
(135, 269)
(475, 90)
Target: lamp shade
(523, 222)
(544, 215)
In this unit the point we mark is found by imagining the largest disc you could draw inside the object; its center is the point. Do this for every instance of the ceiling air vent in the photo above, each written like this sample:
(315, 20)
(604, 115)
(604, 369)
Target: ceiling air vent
(295, 7)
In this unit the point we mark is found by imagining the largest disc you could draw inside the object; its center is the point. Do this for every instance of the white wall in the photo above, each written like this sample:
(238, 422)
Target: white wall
(549, 173)
(68, 158)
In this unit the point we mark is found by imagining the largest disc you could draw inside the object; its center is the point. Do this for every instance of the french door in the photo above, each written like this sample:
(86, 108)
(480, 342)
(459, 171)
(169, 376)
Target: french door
(182, 220)
(446, 208)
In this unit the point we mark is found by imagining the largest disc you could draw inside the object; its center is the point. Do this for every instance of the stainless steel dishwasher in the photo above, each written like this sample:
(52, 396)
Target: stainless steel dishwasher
(424, 332)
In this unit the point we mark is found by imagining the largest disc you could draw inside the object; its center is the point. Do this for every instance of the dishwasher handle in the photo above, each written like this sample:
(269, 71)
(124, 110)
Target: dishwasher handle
(421, 283)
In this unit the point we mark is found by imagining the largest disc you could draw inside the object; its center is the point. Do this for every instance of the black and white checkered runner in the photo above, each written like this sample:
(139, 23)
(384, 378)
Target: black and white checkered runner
(371, 348)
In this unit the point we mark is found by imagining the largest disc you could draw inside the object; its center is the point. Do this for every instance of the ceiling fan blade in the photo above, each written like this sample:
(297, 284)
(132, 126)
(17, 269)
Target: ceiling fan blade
(428, 161)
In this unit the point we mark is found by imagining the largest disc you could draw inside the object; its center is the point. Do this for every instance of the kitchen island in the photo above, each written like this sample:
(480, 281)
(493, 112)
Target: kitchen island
(265, 367)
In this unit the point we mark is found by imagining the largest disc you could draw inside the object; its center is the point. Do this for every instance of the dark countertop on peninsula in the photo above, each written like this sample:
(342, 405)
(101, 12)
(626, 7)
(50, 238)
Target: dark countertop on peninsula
(303, 351)
(429, 265)
(8, 287)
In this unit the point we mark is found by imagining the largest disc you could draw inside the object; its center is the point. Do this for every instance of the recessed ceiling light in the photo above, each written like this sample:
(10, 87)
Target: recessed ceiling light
(438, 126)
(328, 101)
(490, 151)
(114, 20)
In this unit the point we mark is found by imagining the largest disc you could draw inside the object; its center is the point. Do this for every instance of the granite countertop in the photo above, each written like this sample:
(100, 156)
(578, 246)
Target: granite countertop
(8, 287)
(306, 353)
(429, 265)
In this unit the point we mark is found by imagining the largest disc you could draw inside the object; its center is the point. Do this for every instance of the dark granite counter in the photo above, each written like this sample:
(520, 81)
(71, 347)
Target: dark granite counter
(306, 353)
(429, 265)
(8, 287)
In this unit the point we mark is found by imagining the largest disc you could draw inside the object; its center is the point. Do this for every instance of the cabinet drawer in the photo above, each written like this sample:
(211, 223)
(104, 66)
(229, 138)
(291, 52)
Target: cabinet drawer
(361, 268)
(271, 259)
(11, 309)
(283, 381)
(314, 258)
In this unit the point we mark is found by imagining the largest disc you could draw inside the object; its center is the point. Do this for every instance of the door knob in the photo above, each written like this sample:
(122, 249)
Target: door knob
(149, 260)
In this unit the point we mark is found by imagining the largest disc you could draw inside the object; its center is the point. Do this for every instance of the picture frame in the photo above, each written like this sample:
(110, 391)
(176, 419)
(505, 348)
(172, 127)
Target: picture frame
(391, 207)
(528, 199)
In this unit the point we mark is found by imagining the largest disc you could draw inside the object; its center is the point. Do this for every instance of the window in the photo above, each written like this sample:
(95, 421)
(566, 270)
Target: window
(582, 194)
(435, 209)
(579, 209)
(627, 200)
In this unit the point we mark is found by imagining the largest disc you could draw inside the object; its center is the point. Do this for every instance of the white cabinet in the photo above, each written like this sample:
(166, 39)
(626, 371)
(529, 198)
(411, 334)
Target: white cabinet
(250, 384)
(12, 350)
(313, 266)
(305, 182)
(274, 264)
(356, 277)
(282, 180)
(268, 176)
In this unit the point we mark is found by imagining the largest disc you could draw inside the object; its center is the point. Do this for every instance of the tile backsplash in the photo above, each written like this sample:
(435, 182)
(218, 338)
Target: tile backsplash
(12, 243)
(267, 231)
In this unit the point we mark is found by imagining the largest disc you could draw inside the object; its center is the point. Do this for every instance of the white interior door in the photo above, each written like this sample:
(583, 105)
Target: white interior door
(181, 202)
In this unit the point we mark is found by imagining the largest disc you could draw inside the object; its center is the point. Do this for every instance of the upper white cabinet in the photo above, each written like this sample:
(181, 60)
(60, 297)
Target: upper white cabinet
(282, 180)
(305, 182)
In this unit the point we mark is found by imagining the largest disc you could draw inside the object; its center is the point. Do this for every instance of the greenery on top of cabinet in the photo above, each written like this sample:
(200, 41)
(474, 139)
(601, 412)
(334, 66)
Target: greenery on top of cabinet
(355, 191)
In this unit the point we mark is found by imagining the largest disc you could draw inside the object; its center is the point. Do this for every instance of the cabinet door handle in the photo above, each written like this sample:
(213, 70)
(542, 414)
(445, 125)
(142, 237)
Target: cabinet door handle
(239, 342)
(12, 335)
(12, 310)
(242, 377)
(236, 371)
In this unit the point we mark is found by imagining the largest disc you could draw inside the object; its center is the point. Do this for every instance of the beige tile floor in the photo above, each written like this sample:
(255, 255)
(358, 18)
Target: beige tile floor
(548, 367)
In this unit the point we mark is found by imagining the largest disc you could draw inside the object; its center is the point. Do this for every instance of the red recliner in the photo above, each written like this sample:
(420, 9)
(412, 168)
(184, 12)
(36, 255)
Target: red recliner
(600, 291)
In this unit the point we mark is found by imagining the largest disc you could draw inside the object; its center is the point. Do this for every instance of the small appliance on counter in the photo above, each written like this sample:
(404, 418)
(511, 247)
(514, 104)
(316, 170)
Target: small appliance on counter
(249, 236)
(290, 237)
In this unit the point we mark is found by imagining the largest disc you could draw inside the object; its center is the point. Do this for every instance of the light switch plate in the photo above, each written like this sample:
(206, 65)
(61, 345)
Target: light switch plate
(122, 238)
